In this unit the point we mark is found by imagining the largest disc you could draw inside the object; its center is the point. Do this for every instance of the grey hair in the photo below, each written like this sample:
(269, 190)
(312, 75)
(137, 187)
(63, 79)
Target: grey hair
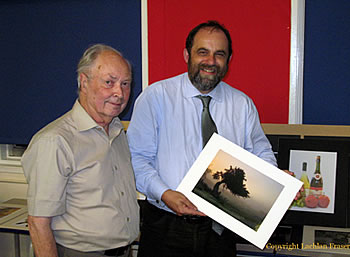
(89, 57)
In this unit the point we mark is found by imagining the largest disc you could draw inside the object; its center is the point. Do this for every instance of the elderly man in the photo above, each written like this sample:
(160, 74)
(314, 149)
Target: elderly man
(167, 132)
(82, 198)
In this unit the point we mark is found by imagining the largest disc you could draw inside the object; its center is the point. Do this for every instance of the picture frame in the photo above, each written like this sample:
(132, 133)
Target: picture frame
(338, 191)
(228, 184)
(9, 211)
(303, 163)
(326, 239)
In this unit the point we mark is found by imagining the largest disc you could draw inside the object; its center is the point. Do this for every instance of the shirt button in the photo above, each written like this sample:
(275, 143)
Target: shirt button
(127, 219)
(122, 193)
(115, 168)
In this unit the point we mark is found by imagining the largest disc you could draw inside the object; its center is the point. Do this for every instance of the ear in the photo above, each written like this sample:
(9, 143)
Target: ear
(83, 81)
(186, 55)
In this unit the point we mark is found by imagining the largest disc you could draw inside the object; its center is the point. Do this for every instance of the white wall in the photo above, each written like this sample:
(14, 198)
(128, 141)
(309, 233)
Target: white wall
(12, 190)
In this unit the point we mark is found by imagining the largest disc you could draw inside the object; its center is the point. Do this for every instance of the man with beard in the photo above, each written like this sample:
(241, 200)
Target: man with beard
(165, 138)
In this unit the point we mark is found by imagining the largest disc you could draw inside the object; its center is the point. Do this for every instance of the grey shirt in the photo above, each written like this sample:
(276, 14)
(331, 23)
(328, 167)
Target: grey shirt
(83, 179)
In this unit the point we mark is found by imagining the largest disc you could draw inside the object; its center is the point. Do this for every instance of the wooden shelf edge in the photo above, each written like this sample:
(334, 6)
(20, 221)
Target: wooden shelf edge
(306, 130)
(12, 178)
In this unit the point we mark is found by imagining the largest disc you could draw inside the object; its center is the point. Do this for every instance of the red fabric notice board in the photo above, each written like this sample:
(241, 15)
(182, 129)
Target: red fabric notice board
(260, 33)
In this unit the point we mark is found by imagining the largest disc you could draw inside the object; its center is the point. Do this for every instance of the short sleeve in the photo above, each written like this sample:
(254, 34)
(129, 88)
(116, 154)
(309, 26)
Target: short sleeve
(47, 167)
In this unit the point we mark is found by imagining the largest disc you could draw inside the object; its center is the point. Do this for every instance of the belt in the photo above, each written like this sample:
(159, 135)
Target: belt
(190, 219)
(116, 251)
(194, 219)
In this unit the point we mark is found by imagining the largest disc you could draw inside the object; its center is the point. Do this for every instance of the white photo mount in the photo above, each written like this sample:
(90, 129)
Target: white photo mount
(18, 223)
(9, 211)
(265, 192)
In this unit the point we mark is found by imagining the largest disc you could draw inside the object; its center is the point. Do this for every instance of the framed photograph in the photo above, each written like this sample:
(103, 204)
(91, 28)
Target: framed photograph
(326, 239)
(10, 211)
(317, 170)
(323, 167)
(19, 223)
(239, 190)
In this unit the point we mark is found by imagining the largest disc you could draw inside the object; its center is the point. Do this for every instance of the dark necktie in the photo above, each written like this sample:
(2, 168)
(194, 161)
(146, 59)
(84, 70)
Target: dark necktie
(207, 123)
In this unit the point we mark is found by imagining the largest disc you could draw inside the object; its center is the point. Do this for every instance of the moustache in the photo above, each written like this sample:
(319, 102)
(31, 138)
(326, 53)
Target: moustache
(213, 67)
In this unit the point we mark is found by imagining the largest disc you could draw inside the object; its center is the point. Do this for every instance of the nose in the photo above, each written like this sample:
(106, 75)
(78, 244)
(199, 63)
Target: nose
(211, 59)
(118, 91)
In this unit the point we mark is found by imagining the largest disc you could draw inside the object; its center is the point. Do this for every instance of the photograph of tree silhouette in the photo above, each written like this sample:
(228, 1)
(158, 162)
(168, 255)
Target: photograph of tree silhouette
(231, 179)
(237, 189)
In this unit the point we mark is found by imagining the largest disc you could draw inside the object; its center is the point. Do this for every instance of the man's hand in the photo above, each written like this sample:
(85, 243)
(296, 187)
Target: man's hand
(179, 203)
(301, 189)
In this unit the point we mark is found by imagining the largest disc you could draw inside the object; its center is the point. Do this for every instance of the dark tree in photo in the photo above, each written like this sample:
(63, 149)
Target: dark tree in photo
(233, 180)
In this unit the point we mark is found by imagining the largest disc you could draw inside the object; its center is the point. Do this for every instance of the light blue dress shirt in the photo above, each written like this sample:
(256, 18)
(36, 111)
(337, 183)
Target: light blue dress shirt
(165, 131)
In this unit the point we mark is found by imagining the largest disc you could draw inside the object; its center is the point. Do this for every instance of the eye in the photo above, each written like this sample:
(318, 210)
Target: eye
(202, 52)
(109, 83)
(220, 54)
(126, 84)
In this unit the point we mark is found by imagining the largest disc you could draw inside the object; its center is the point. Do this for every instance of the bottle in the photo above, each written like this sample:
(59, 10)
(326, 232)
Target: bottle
(316, 186)
(304, 178)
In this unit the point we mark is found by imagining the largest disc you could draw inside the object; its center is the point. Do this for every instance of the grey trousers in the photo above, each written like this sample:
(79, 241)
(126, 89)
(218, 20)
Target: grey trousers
(67, 252)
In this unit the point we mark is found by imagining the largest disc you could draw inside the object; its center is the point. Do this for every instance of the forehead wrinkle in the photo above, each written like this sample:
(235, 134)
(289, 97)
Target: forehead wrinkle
(118, 77)
(113, 77)
(107, 63)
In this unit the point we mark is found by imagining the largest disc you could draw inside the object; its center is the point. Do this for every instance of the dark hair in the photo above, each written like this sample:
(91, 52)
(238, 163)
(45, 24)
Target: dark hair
(209, 24)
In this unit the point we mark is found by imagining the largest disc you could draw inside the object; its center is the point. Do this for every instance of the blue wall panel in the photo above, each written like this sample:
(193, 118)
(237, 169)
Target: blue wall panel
(327, 62)
(41, 43)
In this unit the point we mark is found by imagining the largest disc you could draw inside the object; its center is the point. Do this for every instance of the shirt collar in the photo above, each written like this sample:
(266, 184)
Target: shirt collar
(84, 121)
(191, 91)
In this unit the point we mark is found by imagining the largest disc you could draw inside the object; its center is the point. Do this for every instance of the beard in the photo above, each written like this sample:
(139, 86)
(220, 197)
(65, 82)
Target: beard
(206, 82)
